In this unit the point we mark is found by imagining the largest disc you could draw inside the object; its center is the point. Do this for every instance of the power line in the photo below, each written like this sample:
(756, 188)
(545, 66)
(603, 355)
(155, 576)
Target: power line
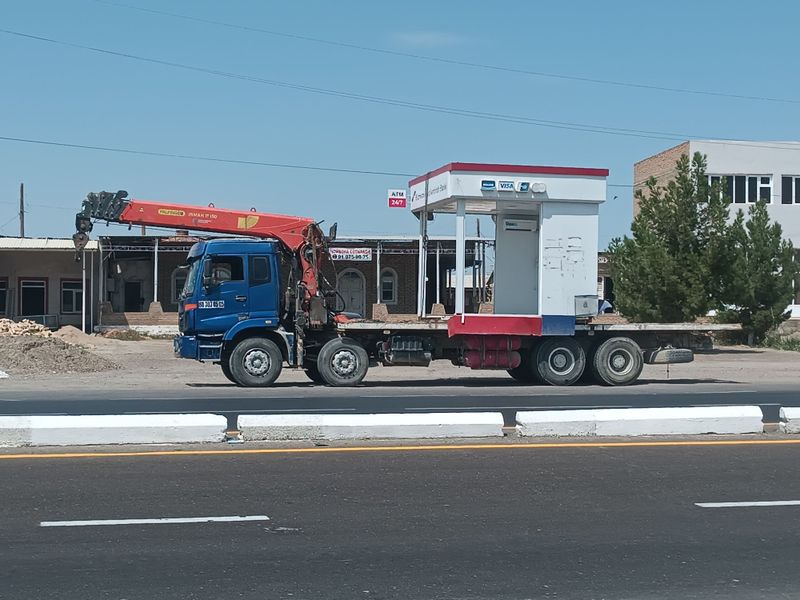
(640, 133)
(204, 158)
(437, 59)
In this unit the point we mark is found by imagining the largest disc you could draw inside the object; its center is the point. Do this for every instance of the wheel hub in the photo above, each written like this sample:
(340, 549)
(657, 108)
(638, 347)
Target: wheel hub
(561, 361)
(620, 362)
(256, 362)
(344, 363)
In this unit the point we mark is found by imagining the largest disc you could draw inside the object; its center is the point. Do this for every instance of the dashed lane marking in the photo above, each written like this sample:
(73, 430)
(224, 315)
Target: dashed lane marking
(160, 521)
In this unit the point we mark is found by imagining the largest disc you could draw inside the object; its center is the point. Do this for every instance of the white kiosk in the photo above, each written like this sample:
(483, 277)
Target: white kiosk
(546, 232)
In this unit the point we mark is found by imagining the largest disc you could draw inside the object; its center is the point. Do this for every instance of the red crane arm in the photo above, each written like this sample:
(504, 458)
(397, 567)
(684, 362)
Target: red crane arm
(292, 232)
(300, 235)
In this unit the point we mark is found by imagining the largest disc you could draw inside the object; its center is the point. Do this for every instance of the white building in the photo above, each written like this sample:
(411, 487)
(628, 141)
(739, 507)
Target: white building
(753, 171)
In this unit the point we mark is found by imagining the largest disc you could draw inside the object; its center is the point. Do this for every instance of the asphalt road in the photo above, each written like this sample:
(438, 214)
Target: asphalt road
(499, 523)
(226, 399)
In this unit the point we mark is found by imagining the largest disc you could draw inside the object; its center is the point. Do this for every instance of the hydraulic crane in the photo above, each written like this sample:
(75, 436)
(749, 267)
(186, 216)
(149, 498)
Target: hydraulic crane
(300, 237)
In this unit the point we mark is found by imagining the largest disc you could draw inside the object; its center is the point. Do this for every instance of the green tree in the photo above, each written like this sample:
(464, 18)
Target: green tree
(762, 270)
(675, 262)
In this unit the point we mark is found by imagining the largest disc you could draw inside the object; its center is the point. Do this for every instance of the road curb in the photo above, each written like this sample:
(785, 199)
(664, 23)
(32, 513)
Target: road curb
(790, 419)
(77, 430)
(373, 426)
(694, 420)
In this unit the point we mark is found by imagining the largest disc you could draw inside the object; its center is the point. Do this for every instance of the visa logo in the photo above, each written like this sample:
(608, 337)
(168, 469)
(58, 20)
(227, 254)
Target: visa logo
(488, 185)
(506, 186)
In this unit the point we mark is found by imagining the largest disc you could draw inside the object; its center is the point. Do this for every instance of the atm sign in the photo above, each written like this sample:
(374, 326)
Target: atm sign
(397, 198)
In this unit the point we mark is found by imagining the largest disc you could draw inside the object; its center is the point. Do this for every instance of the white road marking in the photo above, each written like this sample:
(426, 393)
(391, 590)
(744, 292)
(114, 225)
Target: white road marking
(747, 504)
(164, 521)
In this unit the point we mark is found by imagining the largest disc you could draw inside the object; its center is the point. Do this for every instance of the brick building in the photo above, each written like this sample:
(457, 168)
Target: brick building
(40, 280)
(748, 171)
(365, 268)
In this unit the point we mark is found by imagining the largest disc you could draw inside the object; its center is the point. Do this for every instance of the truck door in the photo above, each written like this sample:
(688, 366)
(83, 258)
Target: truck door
(263, 280)
(225, 302)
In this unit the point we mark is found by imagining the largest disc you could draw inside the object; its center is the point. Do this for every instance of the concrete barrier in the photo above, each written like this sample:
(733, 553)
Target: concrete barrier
(790, 419)
(110, 429)
(377, 426)
(641, 421)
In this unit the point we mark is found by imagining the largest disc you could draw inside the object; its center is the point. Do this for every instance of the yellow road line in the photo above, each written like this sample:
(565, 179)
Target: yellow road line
(425, 448)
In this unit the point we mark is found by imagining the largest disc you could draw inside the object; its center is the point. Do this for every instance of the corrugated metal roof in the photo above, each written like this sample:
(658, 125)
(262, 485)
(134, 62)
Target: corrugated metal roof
(16, 243)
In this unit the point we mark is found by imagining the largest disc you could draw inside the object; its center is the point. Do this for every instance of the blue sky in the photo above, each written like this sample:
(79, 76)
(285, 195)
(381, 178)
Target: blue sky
(64, 94)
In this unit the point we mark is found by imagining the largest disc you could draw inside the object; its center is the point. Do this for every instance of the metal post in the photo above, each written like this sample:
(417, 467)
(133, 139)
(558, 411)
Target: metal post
(22, 210)
(438, 267)
(378, 272)
(461, 211)
(423, 251)
(83, 290)
(483, 272)
(91, 291)
(101, 285)
(155, 272)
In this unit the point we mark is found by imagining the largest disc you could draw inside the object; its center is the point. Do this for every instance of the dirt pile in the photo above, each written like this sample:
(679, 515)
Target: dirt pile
(73, 335)
(125, 335)
(24, 327)
(35, 354)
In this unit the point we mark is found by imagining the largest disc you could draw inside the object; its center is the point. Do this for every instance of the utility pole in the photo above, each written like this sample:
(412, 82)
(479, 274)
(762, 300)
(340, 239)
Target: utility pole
(22, 210)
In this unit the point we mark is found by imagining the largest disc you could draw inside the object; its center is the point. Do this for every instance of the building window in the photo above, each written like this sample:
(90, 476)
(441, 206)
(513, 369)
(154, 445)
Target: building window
(3, 296)
(744, 189)
(790, 189)
(71, 297)
(389, 286)
(178, 282)
(32, 297)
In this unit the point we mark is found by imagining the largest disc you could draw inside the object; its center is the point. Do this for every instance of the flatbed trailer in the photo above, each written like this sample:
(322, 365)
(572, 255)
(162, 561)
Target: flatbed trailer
(613, 353)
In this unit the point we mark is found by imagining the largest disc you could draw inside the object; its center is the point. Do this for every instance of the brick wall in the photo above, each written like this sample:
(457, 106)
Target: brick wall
(405, 265)
(140, 318)
(661, 166)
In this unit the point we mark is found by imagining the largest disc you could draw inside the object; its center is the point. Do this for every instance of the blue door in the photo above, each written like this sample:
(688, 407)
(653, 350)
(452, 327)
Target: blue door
(264, 278)
(225, 302)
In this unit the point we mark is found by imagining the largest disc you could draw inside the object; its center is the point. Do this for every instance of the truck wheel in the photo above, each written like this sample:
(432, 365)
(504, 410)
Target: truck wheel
(255, 362)
(311, 369)
(617, 361)
(525, 372)
(226, 370)
(560, 361)
(342, 362)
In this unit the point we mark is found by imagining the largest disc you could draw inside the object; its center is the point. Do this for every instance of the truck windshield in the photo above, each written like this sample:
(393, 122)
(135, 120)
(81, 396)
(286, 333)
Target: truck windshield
(191, 279)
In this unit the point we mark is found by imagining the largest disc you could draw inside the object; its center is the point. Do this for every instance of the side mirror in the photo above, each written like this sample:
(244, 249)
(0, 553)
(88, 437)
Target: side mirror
(208, 278)
(332, 232)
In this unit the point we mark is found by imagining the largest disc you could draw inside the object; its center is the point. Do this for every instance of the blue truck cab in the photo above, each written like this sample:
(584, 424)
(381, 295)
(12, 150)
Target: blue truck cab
(232, 292)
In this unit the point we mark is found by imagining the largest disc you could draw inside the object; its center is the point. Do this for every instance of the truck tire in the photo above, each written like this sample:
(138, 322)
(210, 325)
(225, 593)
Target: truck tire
(311, 369)
(342, 362)
(617, 361)
(525, 372)
(560, 361)
(255, 362)
(226, 370)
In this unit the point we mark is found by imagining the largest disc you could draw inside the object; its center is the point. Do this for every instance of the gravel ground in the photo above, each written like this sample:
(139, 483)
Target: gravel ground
(150, 364)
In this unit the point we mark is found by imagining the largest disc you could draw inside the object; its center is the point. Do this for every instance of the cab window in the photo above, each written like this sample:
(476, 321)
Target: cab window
(227, 268)
(260, 271)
